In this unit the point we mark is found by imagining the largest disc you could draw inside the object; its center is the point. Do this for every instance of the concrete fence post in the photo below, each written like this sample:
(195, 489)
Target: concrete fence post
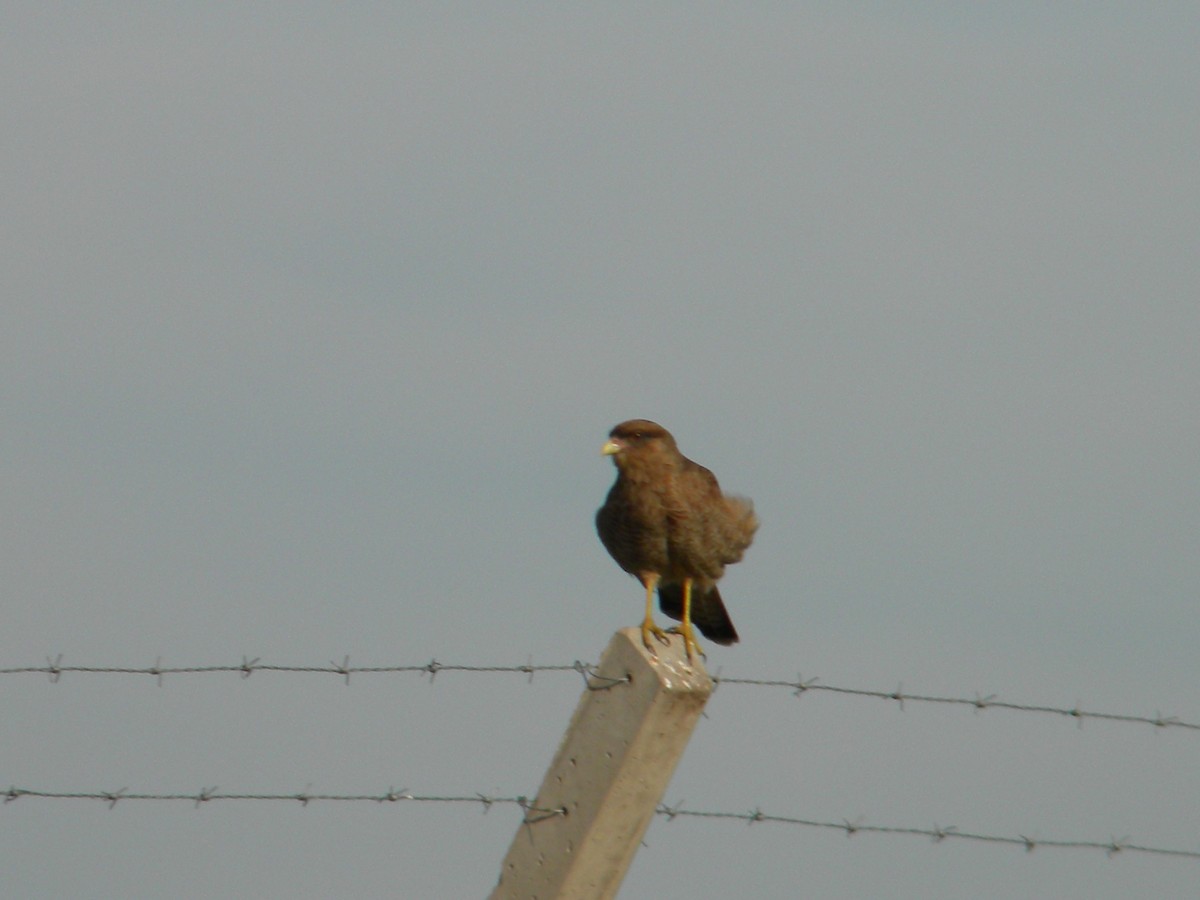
(609, 775)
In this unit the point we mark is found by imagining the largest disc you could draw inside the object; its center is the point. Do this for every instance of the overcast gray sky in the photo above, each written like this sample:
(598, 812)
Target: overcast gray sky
(316, 317)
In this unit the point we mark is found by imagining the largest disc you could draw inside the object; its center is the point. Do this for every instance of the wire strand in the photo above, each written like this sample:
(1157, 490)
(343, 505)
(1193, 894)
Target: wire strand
(529, 808)
(936, 833)
(55, 669)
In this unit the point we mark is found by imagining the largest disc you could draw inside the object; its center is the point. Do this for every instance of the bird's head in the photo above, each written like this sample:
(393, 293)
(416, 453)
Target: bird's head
(637, 438)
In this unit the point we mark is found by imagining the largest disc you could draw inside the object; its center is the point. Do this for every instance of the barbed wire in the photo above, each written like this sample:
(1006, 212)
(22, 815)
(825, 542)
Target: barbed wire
(305, 797)
(936, 833)
(55, 669)
(533, 814)
(978, 702)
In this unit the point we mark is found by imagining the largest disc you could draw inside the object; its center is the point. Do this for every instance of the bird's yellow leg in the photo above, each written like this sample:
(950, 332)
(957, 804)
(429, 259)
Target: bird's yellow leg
(648, 626)
(689, 636)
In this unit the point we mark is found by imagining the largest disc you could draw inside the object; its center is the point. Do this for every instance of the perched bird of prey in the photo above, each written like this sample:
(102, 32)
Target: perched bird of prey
(666, 522)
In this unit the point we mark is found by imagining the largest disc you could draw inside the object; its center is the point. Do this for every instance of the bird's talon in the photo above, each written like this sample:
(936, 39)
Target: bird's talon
(649, 628)
(690, 644)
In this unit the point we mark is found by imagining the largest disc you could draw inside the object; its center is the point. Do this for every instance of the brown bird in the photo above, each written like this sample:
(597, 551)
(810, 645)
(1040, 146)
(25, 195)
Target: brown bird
(666, 522)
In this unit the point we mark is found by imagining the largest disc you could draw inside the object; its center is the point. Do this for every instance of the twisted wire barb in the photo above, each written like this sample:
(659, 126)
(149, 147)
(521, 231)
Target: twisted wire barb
(55, 669)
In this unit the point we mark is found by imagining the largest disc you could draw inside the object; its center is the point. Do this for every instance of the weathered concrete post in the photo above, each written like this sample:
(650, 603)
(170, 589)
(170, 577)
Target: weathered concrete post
(611, 770)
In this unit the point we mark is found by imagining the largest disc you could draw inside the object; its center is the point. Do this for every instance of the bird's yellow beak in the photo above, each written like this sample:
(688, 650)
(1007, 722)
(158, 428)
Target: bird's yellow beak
(610, 447)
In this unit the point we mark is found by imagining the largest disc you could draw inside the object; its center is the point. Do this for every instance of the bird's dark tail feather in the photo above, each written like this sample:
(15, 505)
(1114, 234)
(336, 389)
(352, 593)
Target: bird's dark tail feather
(708, 612)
